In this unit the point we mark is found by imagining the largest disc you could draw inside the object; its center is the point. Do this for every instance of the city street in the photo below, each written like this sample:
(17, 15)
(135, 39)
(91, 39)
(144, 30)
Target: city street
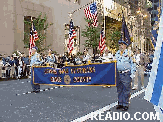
(61, 104)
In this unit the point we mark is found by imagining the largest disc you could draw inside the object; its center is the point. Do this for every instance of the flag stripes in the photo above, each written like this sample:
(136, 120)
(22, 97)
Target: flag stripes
(91, 13)
(72, 35)
(102, 44)
(33, 37)
(32, 43)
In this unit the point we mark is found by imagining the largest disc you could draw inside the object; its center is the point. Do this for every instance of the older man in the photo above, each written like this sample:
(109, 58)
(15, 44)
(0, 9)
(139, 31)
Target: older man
(124, 67)
(35, 60)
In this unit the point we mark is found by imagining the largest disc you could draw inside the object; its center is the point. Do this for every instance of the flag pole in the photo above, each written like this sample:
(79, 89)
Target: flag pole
(70, 15)
(32, 34)
(32, 23)
(104, 19)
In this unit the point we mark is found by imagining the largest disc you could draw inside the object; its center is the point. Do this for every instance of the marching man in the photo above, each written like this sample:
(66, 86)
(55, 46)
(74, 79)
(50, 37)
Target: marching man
(124, 67)
(35, 60)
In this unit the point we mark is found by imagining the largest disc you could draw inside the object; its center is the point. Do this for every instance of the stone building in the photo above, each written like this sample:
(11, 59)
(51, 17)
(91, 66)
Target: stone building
(12, 22)
(138, 21)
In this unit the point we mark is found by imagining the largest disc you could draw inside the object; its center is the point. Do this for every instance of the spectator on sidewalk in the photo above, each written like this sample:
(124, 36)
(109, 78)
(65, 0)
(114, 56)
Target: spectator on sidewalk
(12, 69)
(50, 57)
(86, 56)
(26, 64)
(140, 67)
(107, 56)
(16, 64)
(20, 67)
(1, 65)
(4, 66)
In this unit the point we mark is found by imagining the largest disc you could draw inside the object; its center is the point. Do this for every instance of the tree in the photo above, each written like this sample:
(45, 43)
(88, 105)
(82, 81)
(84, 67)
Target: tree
(113, 33)
(114, 38)
(93, 36)
(41, 27)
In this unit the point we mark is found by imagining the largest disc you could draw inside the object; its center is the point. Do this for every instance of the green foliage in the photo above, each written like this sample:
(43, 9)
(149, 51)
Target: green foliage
(113, 38)
(79, 53)
(41, 27)
(16, 53)
(149, 4)
(54, 52)
(92, 34)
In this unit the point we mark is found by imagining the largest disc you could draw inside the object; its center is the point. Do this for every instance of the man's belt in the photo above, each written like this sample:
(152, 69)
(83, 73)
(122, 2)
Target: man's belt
(124, 71)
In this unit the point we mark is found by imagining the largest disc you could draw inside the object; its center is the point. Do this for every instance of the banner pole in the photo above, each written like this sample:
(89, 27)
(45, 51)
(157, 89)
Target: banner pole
(32, 23)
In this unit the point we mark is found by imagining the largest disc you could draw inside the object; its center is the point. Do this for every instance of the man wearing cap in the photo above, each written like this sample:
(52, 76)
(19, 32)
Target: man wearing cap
(35, 60)
(124, 70)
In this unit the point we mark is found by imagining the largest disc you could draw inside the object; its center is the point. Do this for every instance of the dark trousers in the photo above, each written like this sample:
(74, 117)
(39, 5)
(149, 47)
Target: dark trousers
(26, 71)
(123, 88)
(16, 70)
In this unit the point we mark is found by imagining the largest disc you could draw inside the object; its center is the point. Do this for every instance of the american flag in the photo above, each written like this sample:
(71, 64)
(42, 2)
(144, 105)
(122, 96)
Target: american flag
(91, 13)
(102, 44)
(72, 35)
(33, 38)
(35, 35)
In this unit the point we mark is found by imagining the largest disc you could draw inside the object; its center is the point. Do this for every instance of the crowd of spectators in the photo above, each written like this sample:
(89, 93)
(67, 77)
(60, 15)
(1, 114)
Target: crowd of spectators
(18, 66)
(14, 66)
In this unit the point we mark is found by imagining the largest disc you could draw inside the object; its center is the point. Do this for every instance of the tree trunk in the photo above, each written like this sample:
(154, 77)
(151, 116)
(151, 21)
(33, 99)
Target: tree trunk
(94, 52)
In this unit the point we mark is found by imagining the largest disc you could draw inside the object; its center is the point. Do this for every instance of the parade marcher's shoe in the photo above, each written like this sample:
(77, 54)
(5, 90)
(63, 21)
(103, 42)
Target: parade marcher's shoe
(125, 108)
(37, 91)
(119, 107)
(109, 86)
(134, 88)
(142, 87)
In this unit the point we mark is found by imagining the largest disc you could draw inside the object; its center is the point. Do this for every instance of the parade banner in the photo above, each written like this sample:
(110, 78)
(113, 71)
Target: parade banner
(78, 75)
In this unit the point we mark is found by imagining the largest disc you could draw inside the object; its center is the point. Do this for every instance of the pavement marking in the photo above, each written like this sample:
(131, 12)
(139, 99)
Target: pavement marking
(47, 89)
(106, 108)
(23, 82)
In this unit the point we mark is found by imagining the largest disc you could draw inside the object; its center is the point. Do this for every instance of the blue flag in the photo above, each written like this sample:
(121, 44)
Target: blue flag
(125, 33)
(155, 29)
(154, 90)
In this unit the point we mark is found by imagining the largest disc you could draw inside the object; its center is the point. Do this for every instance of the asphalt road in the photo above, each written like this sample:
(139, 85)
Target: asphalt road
(61, 104)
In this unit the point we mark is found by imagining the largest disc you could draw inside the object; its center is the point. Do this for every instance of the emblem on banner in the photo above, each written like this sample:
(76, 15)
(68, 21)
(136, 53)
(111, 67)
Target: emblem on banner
(67, 79)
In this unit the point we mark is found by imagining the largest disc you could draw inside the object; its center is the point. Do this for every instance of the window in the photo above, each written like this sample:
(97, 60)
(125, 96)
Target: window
(77, 1)
(39, 28)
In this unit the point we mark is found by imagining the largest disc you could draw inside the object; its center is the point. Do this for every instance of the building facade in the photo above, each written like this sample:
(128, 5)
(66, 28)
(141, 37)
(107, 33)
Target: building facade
(12, 22)
(138, 21)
